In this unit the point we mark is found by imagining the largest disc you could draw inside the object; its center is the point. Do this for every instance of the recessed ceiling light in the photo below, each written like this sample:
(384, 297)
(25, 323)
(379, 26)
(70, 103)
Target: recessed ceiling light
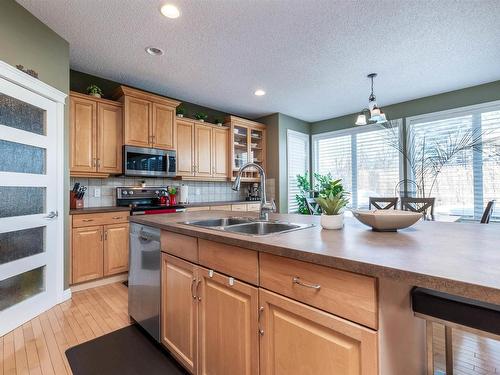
(170, 11)
(155, 51)
(259, 92)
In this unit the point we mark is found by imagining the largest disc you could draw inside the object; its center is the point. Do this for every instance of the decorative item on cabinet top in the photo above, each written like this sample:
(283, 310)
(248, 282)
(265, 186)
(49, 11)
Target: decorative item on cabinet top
(149, 119)
(96, 127)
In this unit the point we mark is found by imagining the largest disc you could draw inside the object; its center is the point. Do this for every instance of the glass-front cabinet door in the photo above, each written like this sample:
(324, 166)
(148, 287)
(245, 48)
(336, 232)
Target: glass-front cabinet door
(29, 234)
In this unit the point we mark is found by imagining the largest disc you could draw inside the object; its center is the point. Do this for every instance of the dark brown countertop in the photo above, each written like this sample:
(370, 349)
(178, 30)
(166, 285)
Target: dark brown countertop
(97, 210)
(457, 258)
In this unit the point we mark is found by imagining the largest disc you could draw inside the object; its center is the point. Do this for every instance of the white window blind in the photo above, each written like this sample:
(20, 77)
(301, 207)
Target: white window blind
(298, 163)
(366, 159)
(469, 178)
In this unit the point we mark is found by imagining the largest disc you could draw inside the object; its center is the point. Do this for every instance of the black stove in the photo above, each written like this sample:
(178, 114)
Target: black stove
(145, 200)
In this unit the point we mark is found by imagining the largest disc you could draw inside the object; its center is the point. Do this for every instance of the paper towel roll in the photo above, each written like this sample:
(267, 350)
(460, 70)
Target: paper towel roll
(183, 194)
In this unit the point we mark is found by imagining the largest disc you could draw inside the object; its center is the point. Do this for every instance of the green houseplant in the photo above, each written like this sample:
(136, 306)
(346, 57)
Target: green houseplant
(180, 111)
(218, 121)
(200, 116)
(332, 200)
(94, 90)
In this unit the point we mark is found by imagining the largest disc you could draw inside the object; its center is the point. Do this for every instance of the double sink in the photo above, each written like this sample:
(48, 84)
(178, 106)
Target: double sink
(248, 226)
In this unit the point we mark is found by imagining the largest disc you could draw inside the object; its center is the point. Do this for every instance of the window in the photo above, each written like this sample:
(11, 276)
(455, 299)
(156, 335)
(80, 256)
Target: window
(470, 177)
(366, 159)
(298, 163)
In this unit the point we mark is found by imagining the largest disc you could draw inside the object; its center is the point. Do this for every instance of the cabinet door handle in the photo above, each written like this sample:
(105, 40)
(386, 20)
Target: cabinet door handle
(117, 217)
(296, 280)
(197, 286)
(192, 288)
(98, 163)
(101, 235)
(87, 220)
(106, 235)
(261, 310)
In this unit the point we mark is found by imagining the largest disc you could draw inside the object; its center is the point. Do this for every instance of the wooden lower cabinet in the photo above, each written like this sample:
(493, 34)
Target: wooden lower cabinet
(179, 310)
(116, 245)
(301, 340)
(228, 332)
(99, 245)
(87, 253)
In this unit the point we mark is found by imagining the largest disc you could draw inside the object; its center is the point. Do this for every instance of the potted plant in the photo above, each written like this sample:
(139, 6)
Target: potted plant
(94, 90)
(332, 200)
(218, 121)
(180, 111)
(200, 116)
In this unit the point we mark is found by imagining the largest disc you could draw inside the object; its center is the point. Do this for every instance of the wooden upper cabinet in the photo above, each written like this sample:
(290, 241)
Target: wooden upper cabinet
(83, 139)
(179, 311)
(163, 127)
(110, 125)
(185, 148)
(220, 147)
(203, 150)
(96, 127)
(137, 122)
(149, 118)
(116, 247)
(301, 340)
(228, 326)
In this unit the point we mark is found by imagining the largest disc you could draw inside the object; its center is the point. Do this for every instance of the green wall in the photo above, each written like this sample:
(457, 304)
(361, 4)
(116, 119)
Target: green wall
(79, 82)
(454, 99)
(27, 41)
(277, 126)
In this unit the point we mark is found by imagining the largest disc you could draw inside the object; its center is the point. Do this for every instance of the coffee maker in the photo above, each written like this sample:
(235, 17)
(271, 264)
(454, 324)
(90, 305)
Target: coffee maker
(253, 192)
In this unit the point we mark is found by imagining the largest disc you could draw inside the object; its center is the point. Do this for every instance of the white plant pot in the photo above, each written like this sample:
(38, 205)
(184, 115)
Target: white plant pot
(96, 95)
(180, 115)
(332, 221)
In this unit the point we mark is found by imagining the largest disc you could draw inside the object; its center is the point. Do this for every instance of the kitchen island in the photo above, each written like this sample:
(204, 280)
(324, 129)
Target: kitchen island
(366, 278)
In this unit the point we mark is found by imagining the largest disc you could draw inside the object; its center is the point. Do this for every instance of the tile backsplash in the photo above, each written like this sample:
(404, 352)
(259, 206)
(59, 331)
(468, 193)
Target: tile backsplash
(199, 191)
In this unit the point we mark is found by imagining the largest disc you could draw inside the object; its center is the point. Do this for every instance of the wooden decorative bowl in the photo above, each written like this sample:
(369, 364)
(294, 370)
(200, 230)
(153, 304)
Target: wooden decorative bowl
(387, 220)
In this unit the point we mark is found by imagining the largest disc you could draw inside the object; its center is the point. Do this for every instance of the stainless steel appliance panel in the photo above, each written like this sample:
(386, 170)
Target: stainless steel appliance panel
(149, 162)
(144, 280)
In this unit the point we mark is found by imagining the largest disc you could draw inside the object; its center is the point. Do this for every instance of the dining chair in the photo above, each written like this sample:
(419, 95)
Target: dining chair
(381, 203)
(487, 212)
(313, 206)
(422, 205)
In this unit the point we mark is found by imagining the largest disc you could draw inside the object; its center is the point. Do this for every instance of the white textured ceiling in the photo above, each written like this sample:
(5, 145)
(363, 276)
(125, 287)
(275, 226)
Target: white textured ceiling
(311, 56)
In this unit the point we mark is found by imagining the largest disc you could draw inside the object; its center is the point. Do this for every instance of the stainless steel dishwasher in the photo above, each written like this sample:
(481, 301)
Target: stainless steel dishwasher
(144, 280)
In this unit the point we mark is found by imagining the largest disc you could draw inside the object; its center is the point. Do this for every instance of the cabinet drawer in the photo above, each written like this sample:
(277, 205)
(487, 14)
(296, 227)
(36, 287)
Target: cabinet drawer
(180, 245)
(342, 293)
(234, 261)
(87, 220)
(239, 207)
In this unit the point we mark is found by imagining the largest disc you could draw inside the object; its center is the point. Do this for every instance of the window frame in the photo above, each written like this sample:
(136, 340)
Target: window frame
(315, 138)
(307, 138)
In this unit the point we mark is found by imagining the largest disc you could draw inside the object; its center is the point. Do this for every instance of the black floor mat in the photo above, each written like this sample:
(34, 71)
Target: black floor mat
(127, 351)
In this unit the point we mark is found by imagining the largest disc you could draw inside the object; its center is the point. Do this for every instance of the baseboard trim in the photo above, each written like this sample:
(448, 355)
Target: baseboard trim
(100, 282)
(66, 295)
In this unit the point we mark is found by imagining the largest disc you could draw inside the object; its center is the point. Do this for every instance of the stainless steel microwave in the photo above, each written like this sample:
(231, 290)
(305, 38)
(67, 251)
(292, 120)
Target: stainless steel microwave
(148, 162)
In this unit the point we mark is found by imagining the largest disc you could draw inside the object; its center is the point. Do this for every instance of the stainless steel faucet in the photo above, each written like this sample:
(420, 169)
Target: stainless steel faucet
(265, 206)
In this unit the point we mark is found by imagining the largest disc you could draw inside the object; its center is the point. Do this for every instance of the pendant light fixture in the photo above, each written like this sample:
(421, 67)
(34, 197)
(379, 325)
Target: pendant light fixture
(373, 114)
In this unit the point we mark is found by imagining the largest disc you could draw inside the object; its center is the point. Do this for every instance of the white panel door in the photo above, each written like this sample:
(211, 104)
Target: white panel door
(30, 198)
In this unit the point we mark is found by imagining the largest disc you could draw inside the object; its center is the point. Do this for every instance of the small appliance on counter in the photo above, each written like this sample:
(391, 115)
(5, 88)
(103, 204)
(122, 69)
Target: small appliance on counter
(147, 200)
(253, 192)
(76, 196)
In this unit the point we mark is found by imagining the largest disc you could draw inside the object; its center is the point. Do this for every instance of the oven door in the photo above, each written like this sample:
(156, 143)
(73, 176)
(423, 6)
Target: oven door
(146, 162)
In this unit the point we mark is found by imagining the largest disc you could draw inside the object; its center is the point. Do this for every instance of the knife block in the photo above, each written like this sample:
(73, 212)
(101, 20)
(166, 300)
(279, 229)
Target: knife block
(73, 202)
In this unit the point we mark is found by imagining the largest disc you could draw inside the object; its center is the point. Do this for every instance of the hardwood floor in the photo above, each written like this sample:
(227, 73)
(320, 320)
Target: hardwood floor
(38, 346)
(472, 355)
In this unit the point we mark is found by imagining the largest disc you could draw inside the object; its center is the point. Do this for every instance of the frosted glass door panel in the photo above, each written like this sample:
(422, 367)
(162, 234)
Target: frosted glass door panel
(21, 287)
(20, 244)
(20, 115)
(20, 158)
(21, 200)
